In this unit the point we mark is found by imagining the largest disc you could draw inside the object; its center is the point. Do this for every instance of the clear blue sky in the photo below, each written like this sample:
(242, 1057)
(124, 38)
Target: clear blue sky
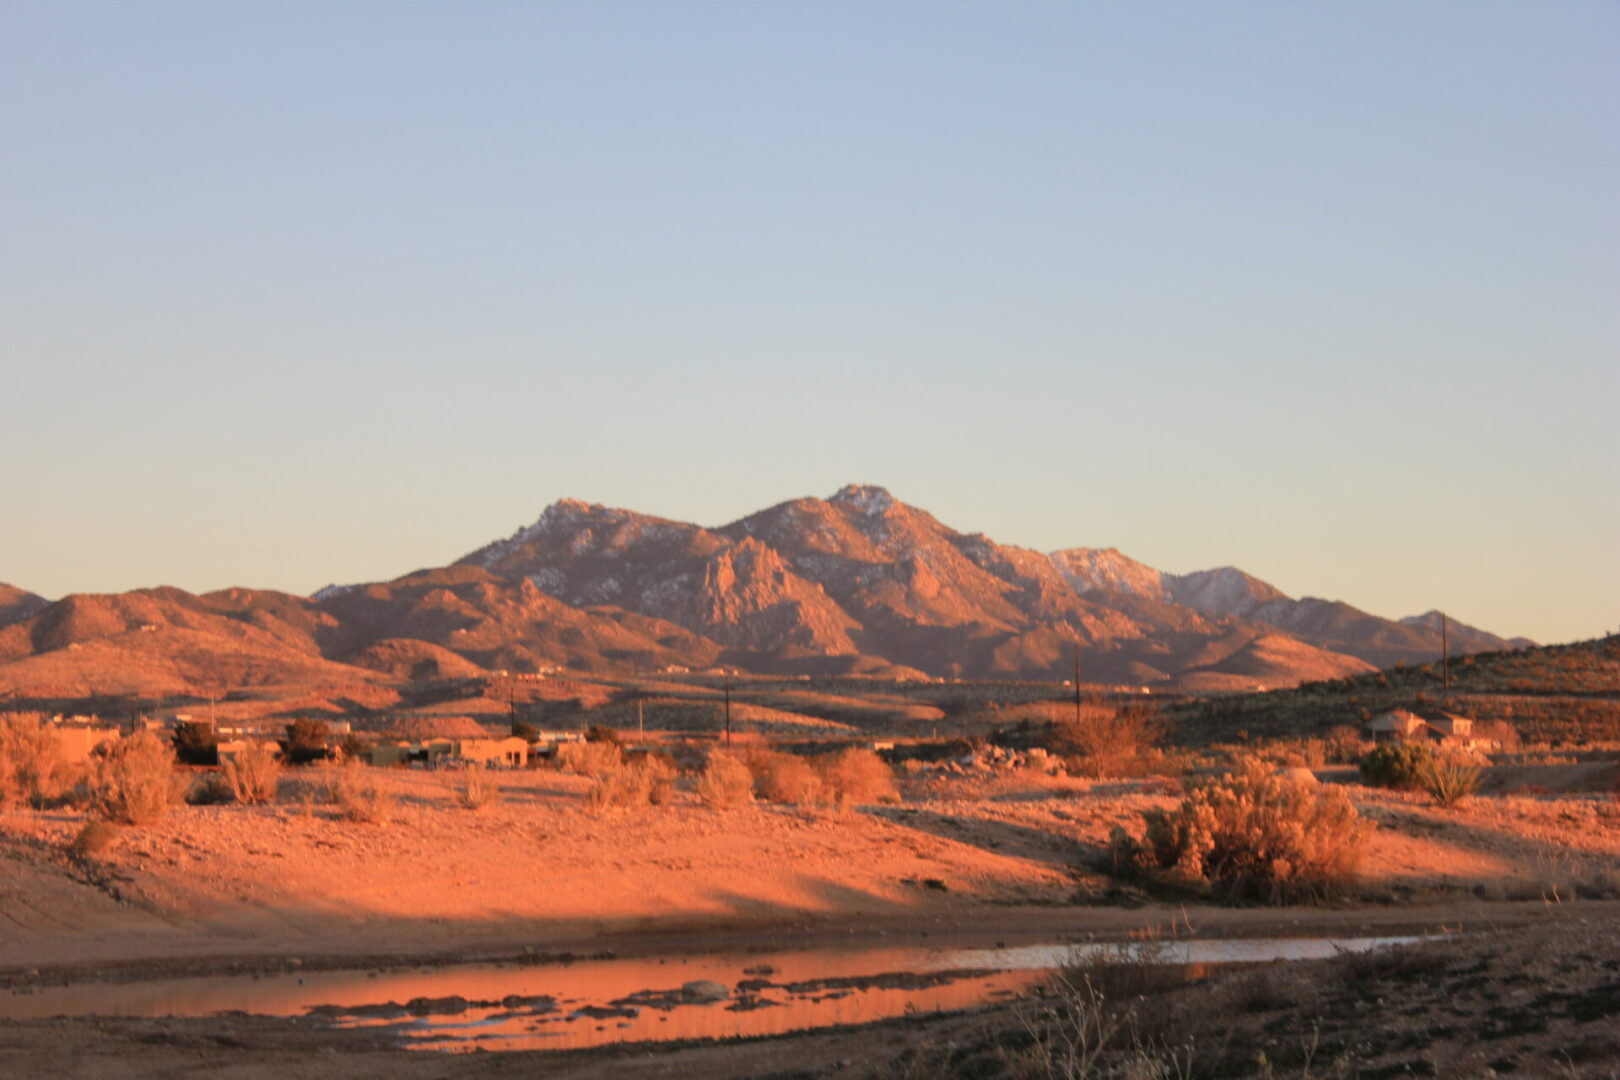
(301, 293)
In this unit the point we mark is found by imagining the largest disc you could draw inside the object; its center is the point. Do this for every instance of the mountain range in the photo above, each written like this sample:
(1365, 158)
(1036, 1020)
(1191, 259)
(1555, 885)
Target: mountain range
(857, 583)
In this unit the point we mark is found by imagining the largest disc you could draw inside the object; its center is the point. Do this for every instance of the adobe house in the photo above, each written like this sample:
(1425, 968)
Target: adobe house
(1433, 726)
(78, 741)
(511, 751)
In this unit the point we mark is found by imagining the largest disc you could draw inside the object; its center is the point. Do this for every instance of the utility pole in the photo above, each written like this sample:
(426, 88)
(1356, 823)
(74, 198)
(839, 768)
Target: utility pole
(728, 710)
(1445, 654)
(1077, 683)
(641, 717)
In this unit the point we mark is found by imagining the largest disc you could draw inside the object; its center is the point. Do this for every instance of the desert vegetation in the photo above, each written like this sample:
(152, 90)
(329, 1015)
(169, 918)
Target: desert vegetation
(252, 774)
(475, 789)
(33, 769)
(356, 794)
(1252, 834)
(133, 781)
(1099, 739)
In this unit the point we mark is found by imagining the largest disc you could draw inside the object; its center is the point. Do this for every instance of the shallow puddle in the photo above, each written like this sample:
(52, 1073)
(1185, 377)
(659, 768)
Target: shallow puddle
(594, 1002)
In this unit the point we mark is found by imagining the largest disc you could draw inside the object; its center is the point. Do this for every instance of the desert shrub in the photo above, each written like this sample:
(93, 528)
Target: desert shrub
(306, 741)
(1252, 834)
(252, 774)
(1395, 765)
(133, 780)
(1502, 733)
(349, 748)
(357, 796)
(785, 778)
(1343, 745)
(648, 779)
(209, 790)
(601, 733)
(32, 766)
(94, 838)
(856, 775)
(475, 790)
(593, 759)
(195, 743)
(661, 772)
(1106, 742)
(1449, 782)
(725, 781)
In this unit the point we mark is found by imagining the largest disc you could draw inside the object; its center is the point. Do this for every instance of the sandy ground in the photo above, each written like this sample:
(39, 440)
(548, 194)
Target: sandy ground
(235, 888)
(540, 868)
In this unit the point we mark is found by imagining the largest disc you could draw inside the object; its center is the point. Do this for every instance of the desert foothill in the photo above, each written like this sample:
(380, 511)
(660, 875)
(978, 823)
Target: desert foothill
(807, 541)
(823, 757)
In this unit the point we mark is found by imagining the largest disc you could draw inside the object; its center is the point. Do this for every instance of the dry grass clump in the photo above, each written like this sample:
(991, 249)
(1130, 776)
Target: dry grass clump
(594, 759)
(785, 778)
(725, 781)
(253, 773)
(852, 775)
(133, 780)
(648, 780)
(32, 767)
(1106, 742)
(94, 838)
(1252, 834)
(357, 796)
(856, 775)
(474, 791)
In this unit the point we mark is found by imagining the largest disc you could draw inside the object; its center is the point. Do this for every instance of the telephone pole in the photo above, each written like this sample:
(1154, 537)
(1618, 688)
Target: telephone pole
(1077, 683)
(728, 710)
(1445, 654)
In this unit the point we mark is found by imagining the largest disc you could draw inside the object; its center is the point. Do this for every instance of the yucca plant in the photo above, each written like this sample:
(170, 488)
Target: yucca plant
(1449, 782)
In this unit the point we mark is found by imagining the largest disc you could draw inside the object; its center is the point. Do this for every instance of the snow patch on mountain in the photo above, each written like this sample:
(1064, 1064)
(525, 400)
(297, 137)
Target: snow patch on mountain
(867, 499)
(1226, 590)
(1105, 569)
(331, 591)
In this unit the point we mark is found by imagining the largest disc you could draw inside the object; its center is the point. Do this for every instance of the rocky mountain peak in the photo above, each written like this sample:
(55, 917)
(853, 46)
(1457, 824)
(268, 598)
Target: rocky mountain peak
(867, 499)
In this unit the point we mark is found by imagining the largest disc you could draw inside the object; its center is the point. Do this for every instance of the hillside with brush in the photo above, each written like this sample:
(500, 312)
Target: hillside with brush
(1564, 694)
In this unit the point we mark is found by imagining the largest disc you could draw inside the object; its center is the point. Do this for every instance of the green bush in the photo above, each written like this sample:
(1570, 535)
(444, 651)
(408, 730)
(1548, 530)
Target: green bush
(1252, 834)
(1396, 765)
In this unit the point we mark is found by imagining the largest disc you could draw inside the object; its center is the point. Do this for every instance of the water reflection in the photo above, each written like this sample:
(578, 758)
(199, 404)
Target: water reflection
(591, 1003)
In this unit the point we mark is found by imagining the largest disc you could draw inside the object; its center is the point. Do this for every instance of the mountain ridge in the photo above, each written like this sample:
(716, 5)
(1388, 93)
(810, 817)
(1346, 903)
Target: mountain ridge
(858, 582)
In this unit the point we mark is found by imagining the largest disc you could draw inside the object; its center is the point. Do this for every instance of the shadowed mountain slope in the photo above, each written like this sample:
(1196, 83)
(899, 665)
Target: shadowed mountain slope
(18, 604)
